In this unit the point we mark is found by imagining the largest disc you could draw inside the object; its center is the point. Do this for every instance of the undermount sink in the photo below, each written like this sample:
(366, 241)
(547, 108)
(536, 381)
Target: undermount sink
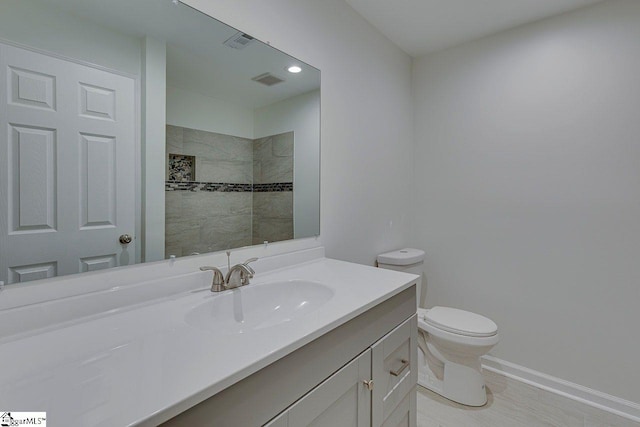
(254, 307)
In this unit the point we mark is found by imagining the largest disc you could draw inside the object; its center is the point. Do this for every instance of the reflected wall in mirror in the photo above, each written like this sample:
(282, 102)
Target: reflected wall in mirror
(152, 120)
(225, 191)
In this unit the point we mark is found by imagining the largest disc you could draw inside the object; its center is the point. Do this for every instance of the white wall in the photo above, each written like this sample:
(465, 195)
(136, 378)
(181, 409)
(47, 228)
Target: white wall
(154, 147)
(37, 25)
(528, 190)
(300, 114)
(367, 140)
(193, 110)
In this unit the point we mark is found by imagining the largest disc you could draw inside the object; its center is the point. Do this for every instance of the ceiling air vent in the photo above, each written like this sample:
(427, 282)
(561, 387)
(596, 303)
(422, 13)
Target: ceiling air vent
(267, 79)
(238, 41)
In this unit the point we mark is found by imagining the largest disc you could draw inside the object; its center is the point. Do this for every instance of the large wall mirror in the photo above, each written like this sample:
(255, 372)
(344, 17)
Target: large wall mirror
(132, 131)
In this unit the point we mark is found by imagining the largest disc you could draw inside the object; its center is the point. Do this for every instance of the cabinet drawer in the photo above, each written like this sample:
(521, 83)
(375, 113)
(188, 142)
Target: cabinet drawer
(394, 368)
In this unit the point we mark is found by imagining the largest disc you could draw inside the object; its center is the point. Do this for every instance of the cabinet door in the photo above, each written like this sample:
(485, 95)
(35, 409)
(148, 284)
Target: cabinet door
(341, 400)
(281, 420)
(405, 414)
(394, 369)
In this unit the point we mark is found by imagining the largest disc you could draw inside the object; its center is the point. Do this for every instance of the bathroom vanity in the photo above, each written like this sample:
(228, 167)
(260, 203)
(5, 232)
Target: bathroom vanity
(309, 340)
(357, 374)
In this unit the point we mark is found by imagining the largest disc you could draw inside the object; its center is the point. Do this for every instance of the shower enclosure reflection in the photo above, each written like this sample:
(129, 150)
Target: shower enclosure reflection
(226, 192)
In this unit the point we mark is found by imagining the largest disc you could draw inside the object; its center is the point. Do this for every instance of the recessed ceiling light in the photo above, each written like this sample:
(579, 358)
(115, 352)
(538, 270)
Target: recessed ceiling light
(294, 69)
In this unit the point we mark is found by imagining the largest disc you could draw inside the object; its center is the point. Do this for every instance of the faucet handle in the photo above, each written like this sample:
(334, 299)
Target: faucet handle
(217, 284)
(246, 264)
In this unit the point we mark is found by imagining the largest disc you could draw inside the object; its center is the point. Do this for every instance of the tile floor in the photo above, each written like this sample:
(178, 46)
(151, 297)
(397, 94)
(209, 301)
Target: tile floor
(513, 404)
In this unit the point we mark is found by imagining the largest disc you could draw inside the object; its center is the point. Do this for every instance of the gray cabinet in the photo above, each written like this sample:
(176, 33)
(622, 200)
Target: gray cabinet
(404, 415)
(322, 382)
(394, 371)
(345, 400)
(341, 400)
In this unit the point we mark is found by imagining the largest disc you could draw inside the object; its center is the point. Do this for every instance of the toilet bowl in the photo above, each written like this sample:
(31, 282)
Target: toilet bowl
(450, 341)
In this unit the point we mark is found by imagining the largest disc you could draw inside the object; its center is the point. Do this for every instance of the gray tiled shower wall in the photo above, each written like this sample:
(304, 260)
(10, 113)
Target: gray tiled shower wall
(272, 211)
(199, 220)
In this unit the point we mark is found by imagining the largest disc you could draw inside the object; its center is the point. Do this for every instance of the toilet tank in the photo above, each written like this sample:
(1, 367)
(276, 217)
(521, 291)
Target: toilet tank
(406, 260)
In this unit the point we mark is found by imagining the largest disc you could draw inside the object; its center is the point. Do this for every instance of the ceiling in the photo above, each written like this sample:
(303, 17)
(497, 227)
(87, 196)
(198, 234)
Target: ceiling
(197, 60)
(420, 27)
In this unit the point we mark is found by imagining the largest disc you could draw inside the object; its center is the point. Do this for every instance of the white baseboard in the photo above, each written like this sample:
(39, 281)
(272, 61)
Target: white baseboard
(597, 399)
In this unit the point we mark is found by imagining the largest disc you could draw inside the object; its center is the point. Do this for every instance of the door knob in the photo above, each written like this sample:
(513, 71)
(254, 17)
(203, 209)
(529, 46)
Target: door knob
(125, 239)
(368, 384)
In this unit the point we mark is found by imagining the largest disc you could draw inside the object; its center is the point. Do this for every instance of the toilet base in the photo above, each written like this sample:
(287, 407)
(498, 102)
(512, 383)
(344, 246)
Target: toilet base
(460, 383)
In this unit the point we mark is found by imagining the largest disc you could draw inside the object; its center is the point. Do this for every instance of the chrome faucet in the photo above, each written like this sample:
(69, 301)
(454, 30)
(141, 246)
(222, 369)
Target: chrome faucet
(238, 275)
(217, 285)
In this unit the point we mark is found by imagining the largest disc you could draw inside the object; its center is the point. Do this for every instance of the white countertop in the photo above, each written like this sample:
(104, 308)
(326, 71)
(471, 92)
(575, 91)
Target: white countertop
(146, 364)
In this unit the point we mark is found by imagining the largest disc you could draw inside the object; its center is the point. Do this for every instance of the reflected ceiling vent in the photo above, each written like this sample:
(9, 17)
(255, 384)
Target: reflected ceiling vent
(267, 79)
(238, 41)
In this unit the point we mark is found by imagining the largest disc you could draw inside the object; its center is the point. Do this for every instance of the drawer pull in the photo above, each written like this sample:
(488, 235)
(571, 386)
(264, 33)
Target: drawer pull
(405, 365)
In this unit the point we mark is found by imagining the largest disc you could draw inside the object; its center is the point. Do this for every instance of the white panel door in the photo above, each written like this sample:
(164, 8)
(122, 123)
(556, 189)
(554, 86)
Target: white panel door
(67, 159)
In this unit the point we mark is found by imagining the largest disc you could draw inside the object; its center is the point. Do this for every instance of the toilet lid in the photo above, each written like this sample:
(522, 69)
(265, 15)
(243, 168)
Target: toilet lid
(460, 322)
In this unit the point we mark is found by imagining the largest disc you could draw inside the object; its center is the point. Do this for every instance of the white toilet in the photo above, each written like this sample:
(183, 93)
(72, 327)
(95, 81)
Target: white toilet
(450, 341)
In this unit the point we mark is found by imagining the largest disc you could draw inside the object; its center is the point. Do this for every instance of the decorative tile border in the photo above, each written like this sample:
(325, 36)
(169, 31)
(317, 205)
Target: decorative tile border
(276, 187)
(223, 187)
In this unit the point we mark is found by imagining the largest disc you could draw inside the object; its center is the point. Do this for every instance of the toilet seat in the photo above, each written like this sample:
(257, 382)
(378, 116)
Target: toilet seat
(458, 322)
